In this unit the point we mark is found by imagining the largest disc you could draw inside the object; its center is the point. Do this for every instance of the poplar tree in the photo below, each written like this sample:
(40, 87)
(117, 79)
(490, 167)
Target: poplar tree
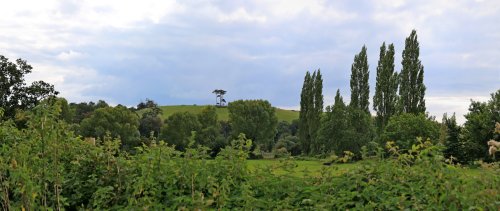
(385, 99)
(315, 121)
(360, 89)
(304, 110)
(411, 87)
(311, 108)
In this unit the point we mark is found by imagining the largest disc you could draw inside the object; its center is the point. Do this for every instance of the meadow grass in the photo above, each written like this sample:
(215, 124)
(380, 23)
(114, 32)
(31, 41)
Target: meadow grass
(302, 168)
(313, 168)
(222, 112)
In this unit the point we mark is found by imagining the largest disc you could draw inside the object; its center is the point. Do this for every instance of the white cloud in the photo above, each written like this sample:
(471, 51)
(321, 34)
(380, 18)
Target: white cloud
(73, 83)
(69, 55)
(438, 105)
(241, 15)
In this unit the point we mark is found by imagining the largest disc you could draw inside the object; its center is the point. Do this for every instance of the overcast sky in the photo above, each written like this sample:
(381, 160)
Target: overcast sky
(177, 52)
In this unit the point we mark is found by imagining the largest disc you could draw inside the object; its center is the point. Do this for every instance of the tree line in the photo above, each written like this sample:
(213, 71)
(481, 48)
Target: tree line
(399, 103)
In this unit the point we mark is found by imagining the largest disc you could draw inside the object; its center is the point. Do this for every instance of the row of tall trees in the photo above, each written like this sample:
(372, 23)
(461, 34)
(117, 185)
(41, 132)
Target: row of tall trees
(349, 127)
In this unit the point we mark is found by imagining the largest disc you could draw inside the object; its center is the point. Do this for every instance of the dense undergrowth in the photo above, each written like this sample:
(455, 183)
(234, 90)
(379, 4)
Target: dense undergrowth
(46, 166)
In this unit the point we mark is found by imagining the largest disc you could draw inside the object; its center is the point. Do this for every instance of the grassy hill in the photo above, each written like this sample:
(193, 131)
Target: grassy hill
(223, 113)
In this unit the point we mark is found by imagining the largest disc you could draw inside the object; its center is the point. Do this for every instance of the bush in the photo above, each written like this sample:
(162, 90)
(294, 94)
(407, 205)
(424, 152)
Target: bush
(404, 128)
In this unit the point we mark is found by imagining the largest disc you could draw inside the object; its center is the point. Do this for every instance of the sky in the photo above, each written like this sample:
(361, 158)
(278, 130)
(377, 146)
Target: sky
(178, 52)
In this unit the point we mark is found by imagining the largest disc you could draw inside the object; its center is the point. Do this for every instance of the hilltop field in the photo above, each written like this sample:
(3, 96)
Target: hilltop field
(222, 112)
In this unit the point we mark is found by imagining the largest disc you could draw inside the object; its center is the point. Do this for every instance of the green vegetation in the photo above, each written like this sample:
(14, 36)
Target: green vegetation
(302, 169)
(92, 156)
(45, 166)
(222, 112)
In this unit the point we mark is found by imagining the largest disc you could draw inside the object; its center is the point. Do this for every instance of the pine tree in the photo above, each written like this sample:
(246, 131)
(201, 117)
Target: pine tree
(411, 87)
(360, 89)
(385, 99)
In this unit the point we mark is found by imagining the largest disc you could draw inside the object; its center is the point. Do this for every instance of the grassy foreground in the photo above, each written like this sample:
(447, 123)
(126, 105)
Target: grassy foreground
(303, 168)
(300, 168)
(223, 113)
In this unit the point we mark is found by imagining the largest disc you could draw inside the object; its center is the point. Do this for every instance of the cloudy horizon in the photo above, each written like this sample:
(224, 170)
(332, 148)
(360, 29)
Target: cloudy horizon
(177, 52)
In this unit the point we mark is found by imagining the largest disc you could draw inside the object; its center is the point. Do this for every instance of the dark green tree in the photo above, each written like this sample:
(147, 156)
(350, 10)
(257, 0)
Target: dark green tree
(334, 126)
(118, 121)
(453, 146)
(311, 109)
(411, 86)
(317, 111)
(360, 89)
(305, 107)
(256, 119)
(14, 93)
(385, 99)
(359, 131)
(209, 134)
(80, 111)
(479, 127)
(404, 129)
(150, 121)
(178, 129)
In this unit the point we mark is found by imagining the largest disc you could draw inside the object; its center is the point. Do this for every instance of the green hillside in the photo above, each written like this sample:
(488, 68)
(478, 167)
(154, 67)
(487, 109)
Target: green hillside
(222, 113)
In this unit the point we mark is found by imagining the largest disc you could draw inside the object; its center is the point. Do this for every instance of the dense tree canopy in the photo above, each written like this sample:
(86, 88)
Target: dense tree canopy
(14, 93)
(117, 121)
(311, 109)
(453, 145)
(479, 127)
(256, 119)
(178, 129)
(360, 89)
(385, 99)
(150, 121)
(334, 126)
(411, 85)
(404, 129)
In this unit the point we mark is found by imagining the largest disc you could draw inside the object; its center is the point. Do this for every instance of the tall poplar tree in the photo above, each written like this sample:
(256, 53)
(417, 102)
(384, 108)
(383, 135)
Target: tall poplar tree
(305, 106)
(411, 86)
(311, 108)
(315, 121)
(360, 89)
(385, 99)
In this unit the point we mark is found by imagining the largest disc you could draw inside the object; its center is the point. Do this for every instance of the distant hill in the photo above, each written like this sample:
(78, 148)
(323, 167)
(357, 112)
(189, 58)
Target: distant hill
(223, 113)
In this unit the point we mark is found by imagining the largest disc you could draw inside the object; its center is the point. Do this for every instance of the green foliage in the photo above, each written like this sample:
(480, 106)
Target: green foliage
(360, 89)
(210, 134)
(334, 126)
(222, 112)
(344, 128)
(411, 84)
(256, 119)
(385, 98)
(479, 127)
(404, 128)
(306, 99)
(150, 121)
(178, 128)
(454, 148)
(46, 167)
(311, 109)
(80, 111)
(118, 121)
(14, 94)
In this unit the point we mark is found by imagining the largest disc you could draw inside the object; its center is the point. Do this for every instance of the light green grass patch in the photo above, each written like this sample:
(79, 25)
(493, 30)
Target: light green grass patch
(302, 168)
(222, 112)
